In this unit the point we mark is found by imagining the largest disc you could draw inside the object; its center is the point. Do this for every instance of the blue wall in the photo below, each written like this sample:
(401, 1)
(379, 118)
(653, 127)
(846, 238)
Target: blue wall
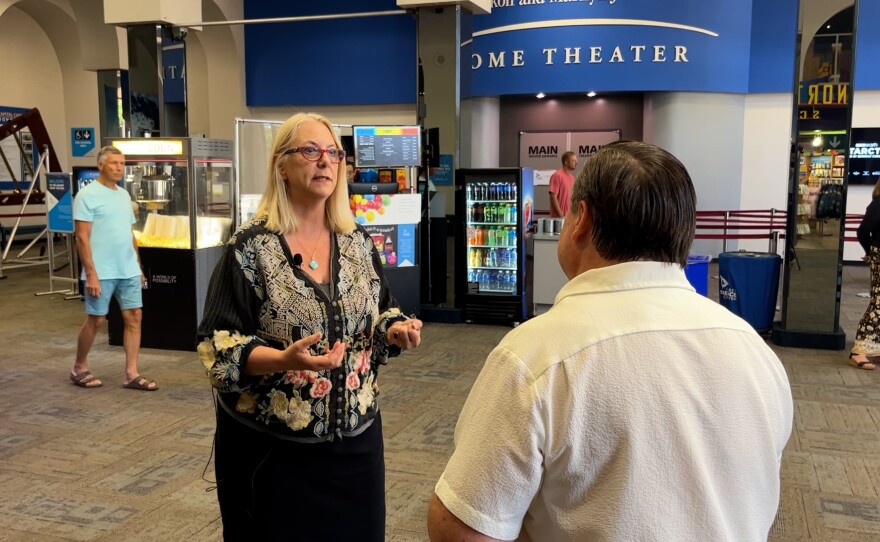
(343, 61)
(867, 46)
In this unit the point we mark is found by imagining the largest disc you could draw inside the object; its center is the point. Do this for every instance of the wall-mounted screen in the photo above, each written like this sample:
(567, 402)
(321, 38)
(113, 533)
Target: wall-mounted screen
(387, 146)
(864, 156)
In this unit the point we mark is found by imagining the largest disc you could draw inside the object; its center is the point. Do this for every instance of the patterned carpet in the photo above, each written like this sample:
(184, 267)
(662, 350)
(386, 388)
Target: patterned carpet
(116, 464)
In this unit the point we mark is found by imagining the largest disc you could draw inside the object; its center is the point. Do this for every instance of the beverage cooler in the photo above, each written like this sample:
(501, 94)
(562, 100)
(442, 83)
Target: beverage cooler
(494, 251)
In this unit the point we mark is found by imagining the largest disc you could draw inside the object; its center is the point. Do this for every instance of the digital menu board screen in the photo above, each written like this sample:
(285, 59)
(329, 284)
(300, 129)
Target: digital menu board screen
(387, 146)
(864, 156)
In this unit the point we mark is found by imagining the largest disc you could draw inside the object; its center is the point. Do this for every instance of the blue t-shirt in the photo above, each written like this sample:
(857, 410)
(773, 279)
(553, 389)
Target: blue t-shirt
(109, 210)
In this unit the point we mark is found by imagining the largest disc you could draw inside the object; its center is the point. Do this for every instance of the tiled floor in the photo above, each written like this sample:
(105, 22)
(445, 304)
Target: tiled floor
(115, 464)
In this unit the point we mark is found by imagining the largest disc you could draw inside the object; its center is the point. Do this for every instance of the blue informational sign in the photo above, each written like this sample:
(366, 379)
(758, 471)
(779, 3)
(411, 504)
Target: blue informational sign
(174, 71)
(616, 45)
(59, 202)
(82, 141)
(442, 175)
(406, 245)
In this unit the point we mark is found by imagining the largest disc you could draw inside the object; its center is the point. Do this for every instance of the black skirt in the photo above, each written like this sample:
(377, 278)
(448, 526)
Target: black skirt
(273, 489)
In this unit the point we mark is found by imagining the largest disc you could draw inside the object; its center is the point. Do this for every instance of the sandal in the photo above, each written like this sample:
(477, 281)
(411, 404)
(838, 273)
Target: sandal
(85, 379)
(866, 365)
(141, 383)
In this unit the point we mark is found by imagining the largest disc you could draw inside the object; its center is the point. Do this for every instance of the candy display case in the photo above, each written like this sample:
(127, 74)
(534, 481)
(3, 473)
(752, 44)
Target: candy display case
(175, 183)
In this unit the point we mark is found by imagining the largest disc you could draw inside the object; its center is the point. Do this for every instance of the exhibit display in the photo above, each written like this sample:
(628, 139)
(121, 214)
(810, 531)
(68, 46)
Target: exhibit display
(495, 282)
(181, 191)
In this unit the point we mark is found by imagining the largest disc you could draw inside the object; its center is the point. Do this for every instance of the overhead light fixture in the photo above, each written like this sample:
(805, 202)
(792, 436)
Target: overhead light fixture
(591, 94)
(828, 26)
(818, 141)
(540, 95)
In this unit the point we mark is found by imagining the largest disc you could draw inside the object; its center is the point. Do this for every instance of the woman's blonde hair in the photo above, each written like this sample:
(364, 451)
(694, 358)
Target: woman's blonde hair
(876, 193)
(275, 206)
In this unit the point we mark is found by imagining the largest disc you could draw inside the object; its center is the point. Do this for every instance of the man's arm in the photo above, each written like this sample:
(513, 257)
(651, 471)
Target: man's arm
(84, 246)
(137, 255)
(555, 210)
(443, 526)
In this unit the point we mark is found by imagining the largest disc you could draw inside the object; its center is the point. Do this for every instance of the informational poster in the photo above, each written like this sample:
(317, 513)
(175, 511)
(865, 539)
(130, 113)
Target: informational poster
(442, 175)
(542, 177)
(82, 141)
(395, 243)
(59, 202)
(386, 209)
(542, 151)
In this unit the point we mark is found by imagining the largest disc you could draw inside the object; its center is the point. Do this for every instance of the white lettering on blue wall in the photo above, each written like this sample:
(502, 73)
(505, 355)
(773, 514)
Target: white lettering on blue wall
(619, 54)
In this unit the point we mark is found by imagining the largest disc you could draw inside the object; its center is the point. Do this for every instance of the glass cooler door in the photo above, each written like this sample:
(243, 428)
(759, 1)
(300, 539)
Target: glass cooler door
(492, 236)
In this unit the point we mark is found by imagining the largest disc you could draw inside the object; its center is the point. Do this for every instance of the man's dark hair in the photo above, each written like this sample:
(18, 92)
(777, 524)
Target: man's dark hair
(566, 155)
(642, 203)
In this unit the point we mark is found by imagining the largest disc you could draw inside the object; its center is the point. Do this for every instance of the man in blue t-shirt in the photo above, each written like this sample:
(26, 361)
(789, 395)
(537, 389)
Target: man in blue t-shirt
(103, 215)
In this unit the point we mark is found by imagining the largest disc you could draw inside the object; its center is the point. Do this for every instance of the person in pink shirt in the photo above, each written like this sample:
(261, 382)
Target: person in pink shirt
(560, 185)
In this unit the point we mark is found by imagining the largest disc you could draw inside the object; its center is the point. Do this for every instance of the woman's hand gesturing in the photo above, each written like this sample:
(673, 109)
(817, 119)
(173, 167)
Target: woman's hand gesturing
(406, 334)
(298, 357)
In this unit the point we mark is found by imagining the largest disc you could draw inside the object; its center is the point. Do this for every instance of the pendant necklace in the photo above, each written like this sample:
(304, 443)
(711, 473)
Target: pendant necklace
(313, 263)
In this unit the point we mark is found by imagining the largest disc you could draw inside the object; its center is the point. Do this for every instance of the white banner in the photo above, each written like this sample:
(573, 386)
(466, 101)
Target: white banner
(544, 150)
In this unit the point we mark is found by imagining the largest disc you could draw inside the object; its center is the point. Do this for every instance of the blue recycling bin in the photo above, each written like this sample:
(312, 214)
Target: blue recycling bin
(697, 273)
(748, 284)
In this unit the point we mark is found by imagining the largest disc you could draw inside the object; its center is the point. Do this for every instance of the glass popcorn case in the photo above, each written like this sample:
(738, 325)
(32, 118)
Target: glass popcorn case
(182, 197)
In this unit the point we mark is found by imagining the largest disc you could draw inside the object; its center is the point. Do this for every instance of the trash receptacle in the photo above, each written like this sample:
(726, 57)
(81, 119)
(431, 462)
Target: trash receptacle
(748, 284)
(697, 273)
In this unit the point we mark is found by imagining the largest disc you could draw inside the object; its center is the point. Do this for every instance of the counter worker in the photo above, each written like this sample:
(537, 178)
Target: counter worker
(560, 185)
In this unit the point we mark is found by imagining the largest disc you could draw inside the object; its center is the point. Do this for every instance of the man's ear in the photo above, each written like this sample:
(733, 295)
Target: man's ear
(582, 226)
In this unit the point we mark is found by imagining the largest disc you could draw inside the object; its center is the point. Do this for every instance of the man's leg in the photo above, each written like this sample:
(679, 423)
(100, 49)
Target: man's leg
(131, 341)
(96, 314)
(128, 294)
(84, 344)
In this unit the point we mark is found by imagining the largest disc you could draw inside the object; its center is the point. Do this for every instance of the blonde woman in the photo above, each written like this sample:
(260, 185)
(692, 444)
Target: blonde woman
(297, 320)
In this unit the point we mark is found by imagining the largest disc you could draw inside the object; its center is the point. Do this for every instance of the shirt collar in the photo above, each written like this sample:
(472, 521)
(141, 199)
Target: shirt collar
(625, 276)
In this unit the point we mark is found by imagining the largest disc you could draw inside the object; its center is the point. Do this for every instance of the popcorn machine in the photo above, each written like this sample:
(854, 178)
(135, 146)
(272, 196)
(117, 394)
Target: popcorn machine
(182, 197)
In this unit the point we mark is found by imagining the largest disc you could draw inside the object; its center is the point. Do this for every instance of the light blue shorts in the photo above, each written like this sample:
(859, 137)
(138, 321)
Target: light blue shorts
(126, 291)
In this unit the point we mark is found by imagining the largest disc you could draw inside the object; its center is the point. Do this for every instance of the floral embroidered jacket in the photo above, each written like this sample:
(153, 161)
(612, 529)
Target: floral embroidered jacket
(257, 297)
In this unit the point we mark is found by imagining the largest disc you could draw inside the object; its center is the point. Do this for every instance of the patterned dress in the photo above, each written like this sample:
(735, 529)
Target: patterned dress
(868, 332)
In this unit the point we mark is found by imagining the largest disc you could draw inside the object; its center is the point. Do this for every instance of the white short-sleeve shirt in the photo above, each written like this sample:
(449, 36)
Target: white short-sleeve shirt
(635, 409)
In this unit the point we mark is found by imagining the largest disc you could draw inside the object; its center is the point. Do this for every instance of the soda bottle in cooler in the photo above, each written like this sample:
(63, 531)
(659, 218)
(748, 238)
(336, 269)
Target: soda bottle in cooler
(511, 237)
(513, 191)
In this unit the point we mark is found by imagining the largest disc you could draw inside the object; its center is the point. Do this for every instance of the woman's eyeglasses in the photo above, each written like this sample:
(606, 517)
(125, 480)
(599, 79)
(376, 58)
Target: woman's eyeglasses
(312, 153)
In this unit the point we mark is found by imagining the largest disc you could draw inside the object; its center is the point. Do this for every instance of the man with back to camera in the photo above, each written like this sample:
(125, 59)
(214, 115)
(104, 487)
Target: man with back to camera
(560, 185)
(635, 408)
(103, 216)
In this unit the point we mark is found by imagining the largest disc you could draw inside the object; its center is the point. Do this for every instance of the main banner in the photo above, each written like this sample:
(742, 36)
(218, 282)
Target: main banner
(542, 151)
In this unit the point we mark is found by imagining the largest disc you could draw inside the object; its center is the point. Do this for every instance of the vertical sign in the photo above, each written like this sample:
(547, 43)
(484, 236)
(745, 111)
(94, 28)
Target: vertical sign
(82, 141)
(59, 202)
